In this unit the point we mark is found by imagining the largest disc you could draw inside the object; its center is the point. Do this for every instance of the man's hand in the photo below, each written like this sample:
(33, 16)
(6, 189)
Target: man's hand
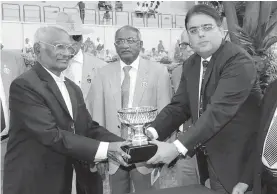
(149, 134)
(240, 188)
(116, 154)
(165, 154)
(102, 168)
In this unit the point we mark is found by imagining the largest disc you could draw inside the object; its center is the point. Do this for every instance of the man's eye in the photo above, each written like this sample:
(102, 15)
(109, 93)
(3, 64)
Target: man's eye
(193, 31)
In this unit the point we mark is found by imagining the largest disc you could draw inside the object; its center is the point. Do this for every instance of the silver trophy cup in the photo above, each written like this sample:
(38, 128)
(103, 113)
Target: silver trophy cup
(136, 119)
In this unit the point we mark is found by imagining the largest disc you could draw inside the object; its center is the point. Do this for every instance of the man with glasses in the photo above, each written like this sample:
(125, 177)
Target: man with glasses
(186, 51)
(130, 82)
(51, 130)
(220, 93)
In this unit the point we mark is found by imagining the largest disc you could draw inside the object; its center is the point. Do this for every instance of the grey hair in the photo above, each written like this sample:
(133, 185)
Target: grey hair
(43, 34)
(127, 27)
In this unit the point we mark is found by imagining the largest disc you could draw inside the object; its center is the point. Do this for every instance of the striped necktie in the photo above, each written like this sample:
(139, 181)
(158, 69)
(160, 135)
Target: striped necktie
(205, 65)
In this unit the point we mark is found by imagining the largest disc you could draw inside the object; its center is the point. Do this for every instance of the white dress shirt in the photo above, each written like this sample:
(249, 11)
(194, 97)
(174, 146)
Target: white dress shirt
(133, 77)
(75, 69)
(274, 166)
(180, 147)
(4, 105)
(101, 153)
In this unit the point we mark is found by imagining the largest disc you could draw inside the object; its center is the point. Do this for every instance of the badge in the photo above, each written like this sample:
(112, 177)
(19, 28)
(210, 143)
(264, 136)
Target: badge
(144, 84)
(6, 70)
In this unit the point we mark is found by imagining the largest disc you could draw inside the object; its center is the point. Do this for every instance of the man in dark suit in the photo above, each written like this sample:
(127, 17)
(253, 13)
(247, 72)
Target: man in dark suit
(263, 160)
(51, 130)
(218, 90)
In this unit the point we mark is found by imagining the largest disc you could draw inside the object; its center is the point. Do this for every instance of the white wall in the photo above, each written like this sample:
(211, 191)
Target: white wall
(14, 33)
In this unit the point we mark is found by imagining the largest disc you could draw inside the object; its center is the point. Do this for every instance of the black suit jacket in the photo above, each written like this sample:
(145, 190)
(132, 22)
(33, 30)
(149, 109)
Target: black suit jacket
(42, 146)
(228, 124)
(268, 107)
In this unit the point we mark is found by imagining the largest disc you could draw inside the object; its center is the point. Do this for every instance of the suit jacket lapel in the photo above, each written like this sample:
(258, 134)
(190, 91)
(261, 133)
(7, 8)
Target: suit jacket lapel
(73, 99)
(193, 86)
(51, 85)
(115, 84)
(141, 82)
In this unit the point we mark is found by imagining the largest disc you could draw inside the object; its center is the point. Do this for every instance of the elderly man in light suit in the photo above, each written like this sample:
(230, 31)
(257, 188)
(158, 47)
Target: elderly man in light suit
(81, 71)
(12, 65)
(131, 82)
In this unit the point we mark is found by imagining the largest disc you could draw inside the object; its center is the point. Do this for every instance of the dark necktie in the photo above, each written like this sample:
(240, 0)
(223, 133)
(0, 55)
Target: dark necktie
(205, 65)
(125, 93)
(270, 149)
(3, 123)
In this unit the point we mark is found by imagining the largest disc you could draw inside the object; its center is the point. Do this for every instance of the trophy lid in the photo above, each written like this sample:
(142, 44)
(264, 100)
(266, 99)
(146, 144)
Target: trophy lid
(137, 115)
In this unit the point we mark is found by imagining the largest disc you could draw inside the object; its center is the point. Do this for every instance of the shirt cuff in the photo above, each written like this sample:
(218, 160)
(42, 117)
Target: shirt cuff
(180, 147)
(153, 132)
(102, 152)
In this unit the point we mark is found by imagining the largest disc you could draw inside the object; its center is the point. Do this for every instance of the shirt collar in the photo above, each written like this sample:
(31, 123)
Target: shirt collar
(134, 65)
(56, 78)
(79, 57)
(207, 59)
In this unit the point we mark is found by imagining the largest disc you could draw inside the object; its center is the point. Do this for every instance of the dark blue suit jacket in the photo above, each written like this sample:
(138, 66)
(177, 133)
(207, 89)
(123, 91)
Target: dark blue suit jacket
(42, 146)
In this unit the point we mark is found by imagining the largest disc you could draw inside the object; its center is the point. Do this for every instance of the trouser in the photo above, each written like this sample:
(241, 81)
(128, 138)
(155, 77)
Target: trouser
(3, 152)
(121, 182)
(269, 181)
(214, 182)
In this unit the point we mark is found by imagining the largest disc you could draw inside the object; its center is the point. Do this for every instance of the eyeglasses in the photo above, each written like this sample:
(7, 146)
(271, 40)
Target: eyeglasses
(204, 28)
(120, 42)
(62, 48)
(184, 45)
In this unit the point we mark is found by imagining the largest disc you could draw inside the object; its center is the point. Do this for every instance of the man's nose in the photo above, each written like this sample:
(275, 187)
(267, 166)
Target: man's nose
(201, 33)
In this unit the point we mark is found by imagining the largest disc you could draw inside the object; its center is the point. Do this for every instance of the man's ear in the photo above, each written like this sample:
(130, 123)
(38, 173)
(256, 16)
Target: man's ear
(141, 44)
(37, 48)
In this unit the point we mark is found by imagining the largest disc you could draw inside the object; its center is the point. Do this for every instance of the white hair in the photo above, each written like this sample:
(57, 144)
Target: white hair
(44, 33)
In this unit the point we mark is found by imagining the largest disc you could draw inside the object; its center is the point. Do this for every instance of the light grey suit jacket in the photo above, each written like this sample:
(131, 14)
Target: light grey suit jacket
(90, 66)
(153, 88)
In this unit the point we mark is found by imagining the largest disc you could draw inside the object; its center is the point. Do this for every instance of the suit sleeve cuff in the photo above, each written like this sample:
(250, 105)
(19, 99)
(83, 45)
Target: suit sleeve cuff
(180, 147)
(102, 152)
(153, 132)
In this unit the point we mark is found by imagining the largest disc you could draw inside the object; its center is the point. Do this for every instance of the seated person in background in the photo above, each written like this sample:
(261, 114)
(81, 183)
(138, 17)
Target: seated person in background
(145, 10)
(138, 10)
(101, 4)
(154, 53)
(108, 56)
(151, 10)
(108, 5)
(99, 45)
(106, 17)
(118, 6)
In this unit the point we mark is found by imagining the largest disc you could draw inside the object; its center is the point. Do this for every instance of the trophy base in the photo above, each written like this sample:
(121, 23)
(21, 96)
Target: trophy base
(139, 153)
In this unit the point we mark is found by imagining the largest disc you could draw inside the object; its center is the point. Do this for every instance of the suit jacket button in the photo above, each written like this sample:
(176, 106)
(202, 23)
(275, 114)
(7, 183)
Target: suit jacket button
(72, 126)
